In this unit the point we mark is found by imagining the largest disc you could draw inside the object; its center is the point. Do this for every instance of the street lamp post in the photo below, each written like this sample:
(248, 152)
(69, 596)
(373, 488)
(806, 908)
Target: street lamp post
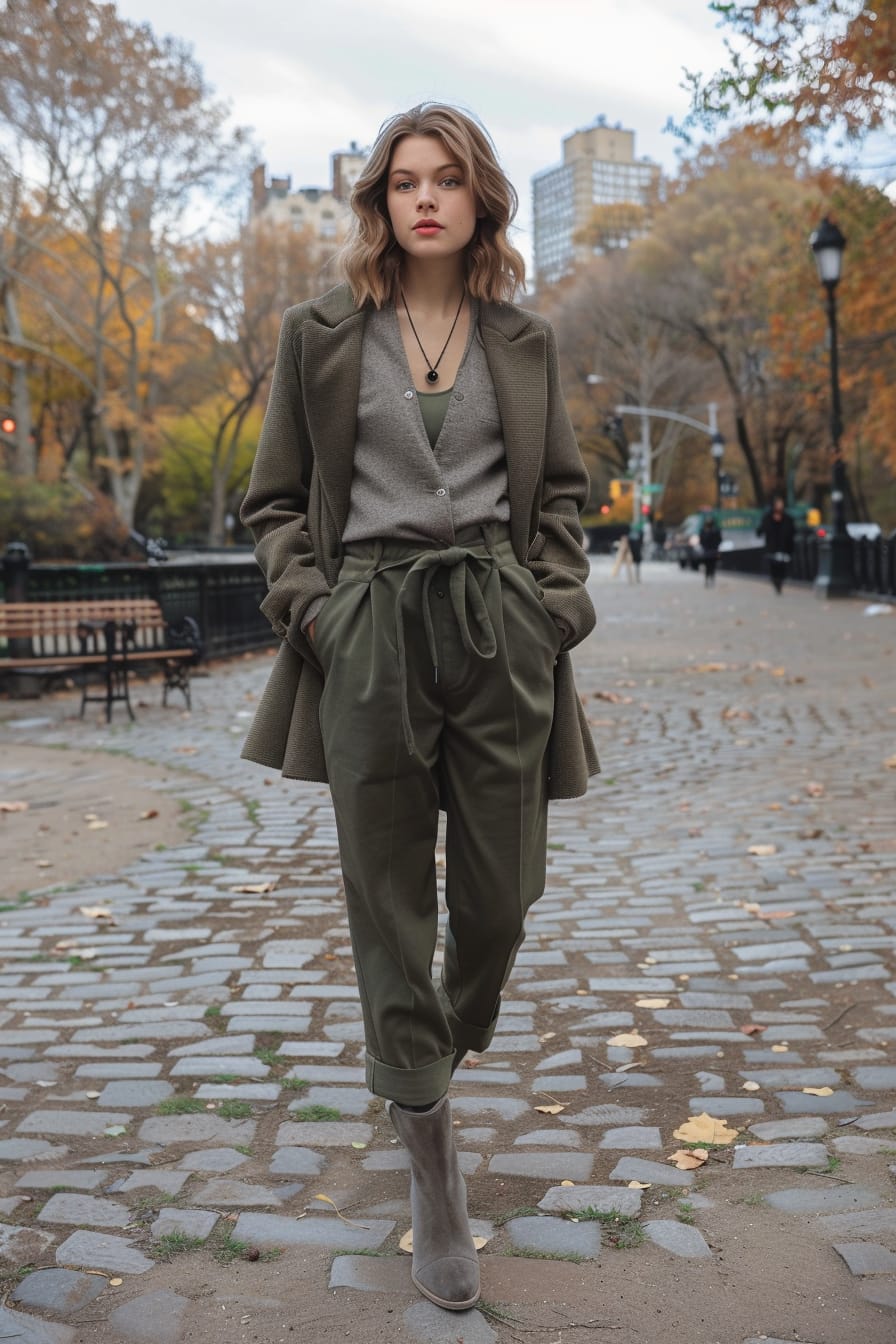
(835, 556)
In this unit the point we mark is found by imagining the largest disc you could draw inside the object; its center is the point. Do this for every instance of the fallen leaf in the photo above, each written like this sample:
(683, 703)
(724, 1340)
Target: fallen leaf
(776, 914)
(548, 1036)
(97, 825)
(819, 1091)
(814, 789)
(13, 807)
(762, 850)
(148, 815)
(115, 1131)
(115, 1283)
(92, 1095)
(327, 1200)
(255, 888)
(356, 1144)
(752, 1029)
(750, 1087)
(96, 912)
(470, 1063)
(652, 1003)
(628, 1039)
(705, 1128)
(407, 1242)
(687, 1159)
(711, 667)
(780, 1049)
(639, 1185)
(567, 1183)
(890, 762)
(550, 1110)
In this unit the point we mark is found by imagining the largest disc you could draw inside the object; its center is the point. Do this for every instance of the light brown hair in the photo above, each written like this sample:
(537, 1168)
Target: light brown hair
(371, 257)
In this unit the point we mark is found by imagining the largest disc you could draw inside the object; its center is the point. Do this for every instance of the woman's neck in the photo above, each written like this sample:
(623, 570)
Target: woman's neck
(432, 287)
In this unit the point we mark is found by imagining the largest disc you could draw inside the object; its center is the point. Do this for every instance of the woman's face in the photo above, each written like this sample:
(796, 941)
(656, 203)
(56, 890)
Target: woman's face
(429, 199)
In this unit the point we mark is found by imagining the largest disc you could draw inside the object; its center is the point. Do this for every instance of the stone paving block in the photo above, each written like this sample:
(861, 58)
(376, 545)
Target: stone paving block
(169, 1182)
(772, 950)
(865, 1223)
(209, 1066)
(838, 1103)
(61, 1292)
(311, 1049)
(189, 1222)
(280, 1022)
(563, 1059)
(30, 1330)
(135, 1092)
(152, 1318)
(346, 1100)
(213, 1159)
(878, 1120)
(882, 1292)
(866, 1257)
(428, 1324)
(80, 1209)
(323, 1133)
(87, 1123)
(552, 1166)
(567, 1082)
(549, 1138)
(860, 1145)
(230, 1044)
(377, 1274)
(838, 1199)
(657, 1173)
(297, 1162)
(750, 1156)
(28, 1150)
(23, 1245)
(800, 1127)
(397, 1159)
(231, 1194)
(270, 1230)
(632, 1136)
(602, 1198)
(679, 1238)
(123, 1069)
(725, 1106)
(875, 1077)
(238, 1092)
(555, 1236)
(632, 1081)
(168, 1129)
(789, 1078)
(99, 1250)
(46, 1180)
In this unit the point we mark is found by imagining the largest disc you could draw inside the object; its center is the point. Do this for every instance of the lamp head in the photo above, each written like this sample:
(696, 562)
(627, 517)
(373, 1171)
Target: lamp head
(827, 243)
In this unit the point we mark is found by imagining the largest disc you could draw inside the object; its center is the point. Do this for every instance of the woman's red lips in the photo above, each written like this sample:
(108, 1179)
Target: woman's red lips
(427, 226)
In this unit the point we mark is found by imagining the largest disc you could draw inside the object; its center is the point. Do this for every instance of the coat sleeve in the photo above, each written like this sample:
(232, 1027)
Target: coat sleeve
(557, 555)
(275, 508)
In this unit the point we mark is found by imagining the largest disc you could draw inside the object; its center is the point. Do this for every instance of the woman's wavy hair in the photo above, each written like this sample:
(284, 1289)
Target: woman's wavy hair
(371, 257)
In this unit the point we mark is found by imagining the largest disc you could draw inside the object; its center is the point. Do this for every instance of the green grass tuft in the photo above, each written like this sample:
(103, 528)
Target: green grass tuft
(234, 1110)
(294, 1084)
(180, 1106)
(173, 1243)
(317, 1113)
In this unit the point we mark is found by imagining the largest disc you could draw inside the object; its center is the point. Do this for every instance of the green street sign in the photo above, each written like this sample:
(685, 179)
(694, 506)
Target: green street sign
(652, 489)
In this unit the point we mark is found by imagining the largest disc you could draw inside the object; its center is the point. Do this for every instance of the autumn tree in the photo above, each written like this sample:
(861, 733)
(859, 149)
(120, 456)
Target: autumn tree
(237, 292)
(825, 66)
(111, 135)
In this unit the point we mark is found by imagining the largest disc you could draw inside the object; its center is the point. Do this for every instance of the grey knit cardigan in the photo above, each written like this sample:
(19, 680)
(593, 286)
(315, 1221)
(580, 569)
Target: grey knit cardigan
(298, 501)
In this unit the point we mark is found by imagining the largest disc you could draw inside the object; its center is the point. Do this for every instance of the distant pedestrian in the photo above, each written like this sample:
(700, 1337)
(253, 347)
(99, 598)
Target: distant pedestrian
(710, 545)
(778, 529)
(636, 550)
(659, 540)
(623, 557)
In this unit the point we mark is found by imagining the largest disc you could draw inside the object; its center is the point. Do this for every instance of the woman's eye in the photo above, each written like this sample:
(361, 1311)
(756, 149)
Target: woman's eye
(450, 182)
(400, 186)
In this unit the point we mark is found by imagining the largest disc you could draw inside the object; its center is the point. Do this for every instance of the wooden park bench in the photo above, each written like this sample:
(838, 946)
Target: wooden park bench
(111, 636)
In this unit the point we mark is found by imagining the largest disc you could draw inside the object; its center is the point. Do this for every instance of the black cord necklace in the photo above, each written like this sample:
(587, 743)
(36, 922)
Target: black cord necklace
(433, 376)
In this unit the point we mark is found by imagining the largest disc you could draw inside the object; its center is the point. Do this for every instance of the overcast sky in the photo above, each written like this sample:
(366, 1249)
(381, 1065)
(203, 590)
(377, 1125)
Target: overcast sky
(312, 75)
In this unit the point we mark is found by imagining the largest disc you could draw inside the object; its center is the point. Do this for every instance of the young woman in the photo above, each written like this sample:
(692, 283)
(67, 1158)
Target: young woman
(415, 504)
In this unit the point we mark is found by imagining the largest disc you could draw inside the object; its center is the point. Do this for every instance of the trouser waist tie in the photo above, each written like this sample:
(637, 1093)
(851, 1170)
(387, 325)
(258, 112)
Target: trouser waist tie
(469, 570)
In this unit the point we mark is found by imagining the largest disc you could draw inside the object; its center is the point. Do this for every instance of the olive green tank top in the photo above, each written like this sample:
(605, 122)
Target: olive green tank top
(433, 408)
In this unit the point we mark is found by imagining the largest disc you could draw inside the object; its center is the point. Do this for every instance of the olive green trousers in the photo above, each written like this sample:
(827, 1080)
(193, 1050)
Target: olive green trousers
(438, 690)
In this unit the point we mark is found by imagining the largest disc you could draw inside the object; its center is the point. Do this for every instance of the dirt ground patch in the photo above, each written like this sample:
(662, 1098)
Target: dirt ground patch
(68, 791)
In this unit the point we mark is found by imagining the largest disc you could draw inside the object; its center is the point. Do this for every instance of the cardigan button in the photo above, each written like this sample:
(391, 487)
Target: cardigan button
(409, 394)
(458, 396)
(440, 491)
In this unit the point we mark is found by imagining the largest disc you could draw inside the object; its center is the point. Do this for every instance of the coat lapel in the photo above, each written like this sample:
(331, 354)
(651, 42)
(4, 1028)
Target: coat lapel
(331, 376)
(518, 365)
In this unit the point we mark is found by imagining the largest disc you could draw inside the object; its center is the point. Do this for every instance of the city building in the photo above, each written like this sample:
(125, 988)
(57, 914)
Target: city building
(322, 210)
(599, 168)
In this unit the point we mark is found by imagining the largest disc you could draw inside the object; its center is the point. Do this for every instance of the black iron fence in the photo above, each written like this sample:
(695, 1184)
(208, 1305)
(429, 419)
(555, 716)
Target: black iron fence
(873, 563)
(222, 591)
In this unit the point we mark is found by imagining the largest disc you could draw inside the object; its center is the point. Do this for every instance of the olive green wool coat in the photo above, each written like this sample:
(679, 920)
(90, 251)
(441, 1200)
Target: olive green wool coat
(298, 501)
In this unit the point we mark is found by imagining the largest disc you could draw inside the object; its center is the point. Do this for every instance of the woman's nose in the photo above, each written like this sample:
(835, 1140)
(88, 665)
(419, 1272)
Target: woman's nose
(425, 197)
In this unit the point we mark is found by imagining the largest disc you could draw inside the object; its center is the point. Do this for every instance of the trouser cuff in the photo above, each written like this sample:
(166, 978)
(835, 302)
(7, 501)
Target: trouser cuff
(466, 1035)
(409, 1087)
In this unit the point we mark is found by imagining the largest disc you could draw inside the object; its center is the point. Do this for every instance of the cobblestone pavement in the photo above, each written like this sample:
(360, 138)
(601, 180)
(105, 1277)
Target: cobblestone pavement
(186, 1144)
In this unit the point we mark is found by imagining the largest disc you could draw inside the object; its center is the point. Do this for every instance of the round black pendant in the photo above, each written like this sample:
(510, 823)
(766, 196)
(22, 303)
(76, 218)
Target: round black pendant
(432, 376)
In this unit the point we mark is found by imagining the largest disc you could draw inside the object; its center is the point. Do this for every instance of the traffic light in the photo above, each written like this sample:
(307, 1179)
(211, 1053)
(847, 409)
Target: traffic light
(8, 425)
(645, 510)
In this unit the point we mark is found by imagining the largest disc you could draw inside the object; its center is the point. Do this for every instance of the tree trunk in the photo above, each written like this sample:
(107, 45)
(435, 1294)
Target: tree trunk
(25, 460)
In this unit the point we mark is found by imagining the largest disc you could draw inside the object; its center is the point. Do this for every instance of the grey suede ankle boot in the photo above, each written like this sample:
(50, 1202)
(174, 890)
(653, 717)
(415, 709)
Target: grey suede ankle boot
(445, 1266)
